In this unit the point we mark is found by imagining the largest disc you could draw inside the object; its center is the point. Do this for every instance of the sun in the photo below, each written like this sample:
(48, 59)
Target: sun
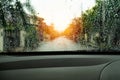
(60, 23)
(60, 27)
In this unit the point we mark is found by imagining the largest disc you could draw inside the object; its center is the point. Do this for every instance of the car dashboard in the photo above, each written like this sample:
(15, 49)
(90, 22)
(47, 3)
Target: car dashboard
(60, 67)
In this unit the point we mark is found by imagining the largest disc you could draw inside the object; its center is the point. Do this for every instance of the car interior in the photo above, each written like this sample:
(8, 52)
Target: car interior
(31, 28)
(60, 67)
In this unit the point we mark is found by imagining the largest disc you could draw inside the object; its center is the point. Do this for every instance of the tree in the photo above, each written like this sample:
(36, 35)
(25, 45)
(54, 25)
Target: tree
(103, 18)
(74, 29)
(14, 19)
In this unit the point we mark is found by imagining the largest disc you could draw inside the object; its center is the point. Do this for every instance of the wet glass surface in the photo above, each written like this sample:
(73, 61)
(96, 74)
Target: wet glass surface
(59, 25)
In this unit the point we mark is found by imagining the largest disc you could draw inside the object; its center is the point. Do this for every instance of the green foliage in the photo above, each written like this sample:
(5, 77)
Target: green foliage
(14, 17)
(31, 38)
(103, 18)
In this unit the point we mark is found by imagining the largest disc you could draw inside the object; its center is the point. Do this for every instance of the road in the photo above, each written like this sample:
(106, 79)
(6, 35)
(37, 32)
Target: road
(60, 44)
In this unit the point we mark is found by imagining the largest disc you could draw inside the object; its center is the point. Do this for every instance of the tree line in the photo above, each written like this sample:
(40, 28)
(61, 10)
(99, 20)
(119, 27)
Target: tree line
(103, 22)
(14, 18)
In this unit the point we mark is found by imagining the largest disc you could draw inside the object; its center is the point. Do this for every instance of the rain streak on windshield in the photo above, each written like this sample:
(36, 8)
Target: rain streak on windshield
(59, 25)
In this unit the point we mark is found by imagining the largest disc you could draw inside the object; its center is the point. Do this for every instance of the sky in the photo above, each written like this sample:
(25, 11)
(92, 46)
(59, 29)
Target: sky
(60, 12)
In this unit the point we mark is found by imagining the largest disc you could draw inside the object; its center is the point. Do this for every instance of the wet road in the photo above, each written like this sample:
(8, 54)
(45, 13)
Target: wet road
(59, 44)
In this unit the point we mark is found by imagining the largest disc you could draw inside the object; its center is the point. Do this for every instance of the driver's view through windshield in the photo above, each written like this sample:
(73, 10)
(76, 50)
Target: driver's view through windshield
(59, 25)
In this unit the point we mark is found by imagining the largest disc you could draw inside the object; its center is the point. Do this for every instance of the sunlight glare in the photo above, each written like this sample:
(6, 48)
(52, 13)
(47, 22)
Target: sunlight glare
(61, 12)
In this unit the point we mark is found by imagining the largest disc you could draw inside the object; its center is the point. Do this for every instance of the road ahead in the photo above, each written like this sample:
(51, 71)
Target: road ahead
(59, 44)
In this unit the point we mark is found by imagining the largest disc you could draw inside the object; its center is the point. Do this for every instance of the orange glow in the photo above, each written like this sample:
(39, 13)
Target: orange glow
(60, 22)
(49, 32)
(60, 12)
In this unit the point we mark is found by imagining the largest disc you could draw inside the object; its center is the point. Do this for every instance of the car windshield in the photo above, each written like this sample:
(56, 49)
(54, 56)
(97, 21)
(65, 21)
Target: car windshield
(59, 25)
